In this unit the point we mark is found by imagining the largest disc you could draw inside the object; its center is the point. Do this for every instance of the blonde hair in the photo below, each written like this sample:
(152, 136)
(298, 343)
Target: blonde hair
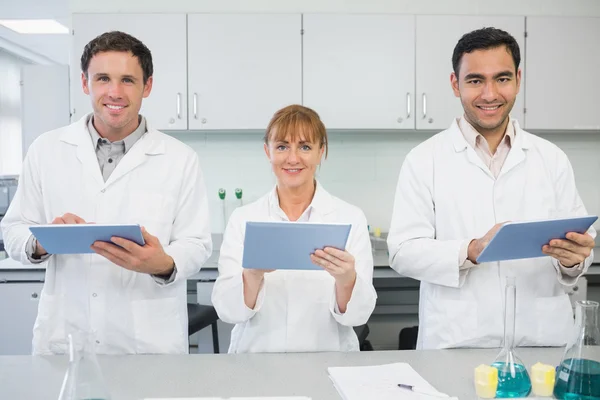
(296, 120)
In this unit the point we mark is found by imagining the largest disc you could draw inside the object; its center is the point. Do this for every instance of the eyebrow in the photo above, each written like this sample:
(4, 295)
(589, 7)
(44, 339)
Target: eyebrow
(301, 142)
(509, 74)
(101, 74)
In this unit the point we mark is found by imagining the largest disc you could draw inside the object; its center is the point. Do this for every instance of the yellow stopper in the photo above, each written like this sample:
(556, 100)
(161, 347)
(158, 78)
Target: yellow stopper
(542, 379)
(377, 232)
(486, 381)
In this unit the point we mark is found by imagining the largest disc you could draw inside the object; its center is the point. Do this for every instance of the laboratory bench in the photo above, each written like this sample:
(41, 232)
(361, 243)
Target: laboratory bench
(226, 375)
(396, 309)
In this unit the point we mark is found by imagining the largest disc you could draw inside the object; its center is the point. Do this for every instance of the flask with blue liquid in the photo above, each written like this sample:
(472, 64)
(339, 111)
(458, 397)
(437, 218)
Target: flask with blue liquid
(513, 378)
(578, 375)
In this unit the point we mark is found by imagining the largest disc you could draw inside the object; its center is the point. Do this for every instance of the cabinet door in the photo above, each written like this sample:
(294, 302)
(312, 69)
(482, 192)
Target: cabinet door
(563, 73)
(165, 36)
(18, 311)
(436, 38)
(242, 68)
(359, 70)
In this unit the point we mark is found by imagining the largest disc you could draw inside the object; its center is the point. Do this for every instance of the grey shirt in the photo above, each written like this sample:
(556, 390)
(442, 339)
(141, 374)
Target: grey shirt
(109, 154)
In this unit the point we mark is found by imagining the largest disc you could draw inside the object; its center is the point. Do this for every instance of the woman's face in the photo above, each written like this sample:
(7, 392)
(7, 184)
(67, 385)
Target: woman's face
(294, 162)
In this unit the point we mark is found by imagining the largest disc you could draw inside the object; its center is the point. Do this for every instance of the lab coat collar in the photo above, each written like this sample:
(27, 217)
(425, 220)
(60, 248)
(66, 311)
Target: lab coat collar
(521, 141)
(322, 202)
(76, 134)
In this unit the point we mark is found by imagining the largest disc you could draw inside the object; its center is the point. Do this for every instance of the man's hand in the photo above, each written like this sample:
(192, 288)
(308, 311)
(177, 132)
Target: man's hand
(149, 259)
(572, 251)
(477, 245)
(68, 218)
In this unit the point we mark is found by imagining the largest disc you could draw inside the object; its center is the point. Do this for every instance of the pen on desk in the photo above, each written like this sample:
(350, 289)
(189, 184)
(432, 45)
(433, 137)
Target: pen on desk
(428, 392)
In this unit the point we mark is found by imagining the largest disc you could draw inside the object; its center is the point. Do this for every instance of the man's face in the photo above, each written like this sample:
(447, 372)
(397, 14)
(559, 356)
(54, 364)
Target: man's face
(487, 85)
(115, 84)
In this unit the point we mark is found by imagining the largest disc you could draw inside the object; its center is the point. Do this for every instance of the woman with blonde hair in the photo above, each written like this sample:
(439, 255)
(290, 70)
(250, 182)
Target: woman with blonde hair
(289, 310)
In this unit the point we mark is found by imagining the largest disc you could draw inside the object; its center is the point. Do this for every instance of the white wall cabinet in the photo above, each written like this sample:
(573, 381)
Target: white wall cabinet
(436, 38)
(359, 70)
(242, 68)
(18, 311)
(233, 71)
(165, 35)
(563, 80)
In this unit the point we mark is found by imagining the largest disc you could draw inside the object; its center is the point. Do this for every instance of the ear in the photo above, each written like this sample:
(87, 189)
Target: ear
(454, 83)
(321, 152)
(518, 80)
(84, 84)
(267, 151)
(148, 86)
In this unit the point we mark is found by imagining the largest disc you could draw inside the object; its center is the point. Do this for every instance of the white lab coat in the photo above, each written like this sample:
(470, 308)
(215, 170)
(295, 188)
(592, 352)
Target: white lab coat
(446, 195)
(157, 184)
(296, 310)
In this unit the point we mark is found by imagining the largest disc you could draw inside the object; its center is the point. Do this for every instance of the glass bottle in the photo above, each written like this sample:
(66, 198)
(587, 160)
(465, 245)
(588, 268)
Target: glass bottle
(513, 379)
(578, 376)
(83, 379)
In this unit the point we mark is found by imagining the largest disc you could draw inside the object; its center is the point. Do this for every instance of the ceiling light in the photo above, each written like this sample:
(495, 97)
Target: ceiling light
(35, 26)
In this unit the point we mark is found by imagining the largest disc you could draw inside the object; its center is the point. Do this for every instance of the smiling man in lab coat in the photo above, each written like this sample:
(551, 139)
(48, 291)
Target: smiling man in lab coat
(113, 167)
(454, 191)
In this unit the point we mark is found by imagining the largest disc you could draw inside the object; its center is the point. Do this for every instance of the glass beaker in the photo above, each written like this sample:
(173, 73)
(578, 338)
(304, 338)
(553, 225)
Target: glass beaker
(513, 379)
(578, 376)
(83, 379)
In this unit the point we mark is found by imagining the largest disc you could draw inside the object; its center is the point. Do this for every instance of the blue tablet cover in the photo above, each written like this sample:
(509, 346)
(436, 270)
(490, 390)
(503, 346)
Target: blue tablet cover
(518, 240)
(288, 245)
(77, 238)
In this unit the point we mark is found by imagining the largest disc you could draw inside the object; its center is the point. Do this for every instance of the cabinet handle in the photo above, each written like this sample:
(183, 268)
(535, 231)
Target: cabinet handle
(34, 295)
(195, 105)
(178, 105)
(424, 106)
(408, 105)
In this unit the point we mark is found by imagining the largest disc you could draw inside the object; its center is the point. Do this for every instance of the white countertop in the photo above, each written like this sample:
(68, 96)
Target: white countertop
(227, 375)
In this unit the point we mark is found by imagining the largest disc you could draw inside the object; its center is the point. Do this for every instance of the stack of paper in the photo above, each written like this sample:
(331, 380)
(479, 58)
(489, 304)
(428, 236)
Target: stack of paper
(381, 382)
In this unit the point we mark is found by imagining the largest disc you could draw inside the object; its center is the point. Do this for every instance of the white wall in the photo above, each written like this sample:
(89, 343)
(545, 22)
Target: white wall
(362, 168)
(10, 114)
(507, 7)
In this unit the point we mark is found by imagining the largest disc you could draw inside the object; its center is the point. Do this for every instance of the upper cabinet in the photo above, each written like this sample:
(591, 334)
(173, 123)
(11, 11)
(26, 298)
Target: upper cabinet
(165, 36)
(436, 38)
(563, 73)
(386, 71)
(242, 68)
(359, 70)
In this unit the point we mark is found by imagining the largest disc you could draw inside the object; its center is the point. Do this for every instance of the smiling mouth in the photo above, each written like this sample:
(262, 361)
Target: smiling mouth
(490, 108)
(114, 107)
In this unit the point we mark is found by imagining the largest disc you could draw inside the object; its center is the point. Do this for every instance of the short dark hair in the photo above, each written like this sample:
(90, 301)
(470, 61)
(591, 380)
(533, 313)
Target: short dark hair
(484, 39)
(118, 41)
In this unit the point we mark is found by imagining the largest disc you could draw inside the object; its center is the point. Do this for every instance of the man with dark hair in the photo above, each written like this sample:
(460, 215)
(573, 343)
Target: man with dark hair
(112, 167)
(457, 188)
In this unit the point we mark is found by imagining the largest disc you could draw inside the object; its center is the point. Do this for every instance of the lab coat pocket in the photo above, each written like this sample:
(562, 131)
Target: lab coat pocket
(554, 320)
(154, 211)
(49, 335)
(449, 323)
(157, 326)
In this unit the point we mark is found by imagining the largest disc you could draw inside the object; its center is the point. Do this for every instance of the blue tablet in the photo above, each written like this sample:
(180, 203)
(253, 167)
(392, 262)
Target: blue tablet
(77, 238)
(288, 245)
(518, 240)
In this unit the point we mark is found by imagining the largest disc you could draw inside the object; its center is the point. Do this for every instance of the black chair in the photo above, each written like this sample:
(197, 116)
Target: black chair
(201, 316)
(362, 332)
(407, 340)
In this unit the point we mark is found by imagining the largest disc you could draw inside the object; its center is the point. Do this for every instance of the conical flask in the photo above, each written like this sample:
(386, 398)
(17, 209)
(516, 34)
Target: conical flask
(578, 376)
(513, 379)
(83, 379)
